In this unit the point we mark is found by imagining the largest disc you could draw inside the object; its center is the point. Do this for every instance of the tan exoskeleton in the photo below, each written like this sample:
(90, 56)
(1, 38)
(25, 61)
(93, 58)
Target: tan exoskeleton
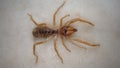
(43, 30)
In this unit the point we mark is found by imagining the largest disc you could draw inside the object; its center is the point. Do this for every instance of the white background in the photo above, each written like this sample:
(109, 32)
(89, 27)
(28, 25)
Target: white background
(16, 40)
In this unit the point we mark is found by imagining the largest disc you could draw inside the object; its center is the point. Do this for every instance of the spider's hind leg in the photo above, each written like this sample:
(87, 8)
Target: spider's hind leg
(36, 44)
(31, 18)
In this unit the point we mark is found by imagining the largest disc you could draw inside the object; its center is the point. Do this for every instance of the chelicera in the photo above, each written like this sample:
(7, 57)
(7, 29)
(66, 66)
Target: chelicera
(42, 30)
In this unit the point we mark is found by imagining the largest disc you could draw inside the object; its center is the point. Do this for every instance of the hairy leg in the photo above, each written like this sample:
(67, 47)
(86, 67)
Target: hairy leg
(54, 16)
(78, 19)
(55, 48)
(35, 21)
(36, 44)
(62, 39)
(85, 42)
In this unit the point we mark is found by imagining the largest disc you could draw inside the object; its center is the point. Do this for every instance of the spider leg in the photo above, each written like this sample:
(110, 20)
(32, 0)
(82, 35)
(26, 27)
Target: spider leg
(72, 41)
(35, 21)
(61, 20)
(55, 48)
(62, 39)
(85, 42)
(36, 44)
(54, 16)
(78, 19)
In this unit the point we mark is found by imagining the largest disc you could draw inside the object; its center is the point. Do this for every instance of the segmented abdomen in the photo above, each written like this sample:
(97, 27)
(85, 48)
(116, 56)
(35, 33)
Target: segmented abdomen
(43, 32)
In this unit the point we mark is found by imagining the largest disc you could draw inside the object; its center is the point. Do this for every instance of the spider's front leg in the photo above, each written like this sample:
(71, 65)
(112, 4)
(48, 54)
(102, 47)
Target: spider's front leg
(61, 20)
(72, 41)
(85, 42)
(80, 21)
(62, 38)
(63, 43)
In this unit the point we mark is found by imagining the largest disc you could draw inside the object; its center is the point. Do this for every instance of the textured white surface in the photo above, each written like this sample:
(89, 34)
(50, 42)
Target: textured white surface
(16, 39)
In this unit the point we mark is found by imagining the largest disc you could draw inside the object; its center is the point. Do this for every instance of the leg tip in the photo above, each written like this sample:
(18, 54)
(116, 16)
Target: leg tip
(62, 62)
(69, 50)
(96, 44)
(29, 14)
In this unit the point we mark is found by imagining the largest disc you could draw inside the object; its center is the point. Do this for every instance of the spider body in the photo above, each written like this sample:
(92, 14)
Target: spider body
(45, 32)
(42, 30)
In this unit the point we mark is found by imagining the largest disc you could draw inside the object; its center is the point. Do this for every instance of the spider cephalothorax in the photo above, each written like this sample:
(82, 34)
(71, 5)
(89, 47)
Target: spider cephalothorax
(67, 30)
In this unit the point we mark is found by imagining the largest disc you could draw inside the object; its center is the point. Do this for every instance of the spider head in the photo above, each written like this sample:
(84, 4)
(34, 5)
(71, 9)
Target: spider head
(67, 30)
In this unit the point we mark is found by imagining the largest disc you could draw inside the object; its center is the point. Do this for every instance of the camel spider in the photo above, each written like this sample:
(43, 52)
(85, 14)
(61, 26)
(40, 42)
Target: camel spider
(43, 30)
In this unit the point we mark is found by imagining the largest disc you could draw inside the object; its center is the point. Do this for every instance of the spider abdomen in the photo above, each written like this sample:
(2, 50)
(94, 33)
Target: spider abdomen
(43, 32)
